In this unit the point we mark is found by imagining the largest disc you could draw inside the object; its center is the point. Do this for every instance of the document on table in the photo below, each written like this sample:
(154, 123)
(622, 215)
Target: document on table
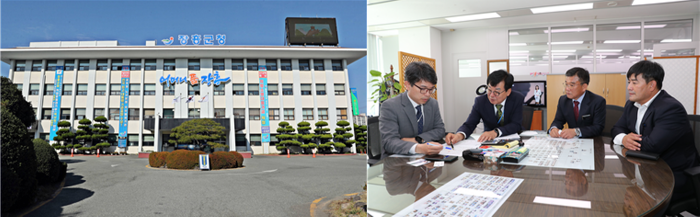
(559, 153)
(469, 143)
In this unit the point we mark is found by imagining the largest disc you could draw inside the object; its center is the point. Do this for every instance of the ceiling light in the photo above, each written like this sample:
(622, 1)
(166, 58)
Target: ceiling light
(562, 8)
(513, 33)
(563, 51)
(621, 41)
(611, 157)
(520, 51)
(619, 175)
(568, 30)
(563, 202)
(524, 57)
(386, 32)
(638, 27)
(591, 57)
(646, 2)
(618, 50)
(473, 17)
(567, 42)
(517, 44)
(675, 40)
(646, 51)
(555, 57)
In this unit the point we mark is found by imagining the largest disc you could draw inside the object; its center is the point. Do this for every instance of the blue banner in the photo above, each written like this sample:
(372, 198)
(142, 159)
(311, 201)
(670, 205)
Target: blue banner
(355, 108)
(56, 102)
(124, 107)
(264, 116)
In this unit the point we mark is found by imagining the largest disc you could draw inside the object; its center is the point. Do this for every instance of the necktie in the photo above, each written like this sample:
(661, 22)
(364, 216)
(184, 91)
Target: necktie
(419, 117)
(499, 115)
(576, 110)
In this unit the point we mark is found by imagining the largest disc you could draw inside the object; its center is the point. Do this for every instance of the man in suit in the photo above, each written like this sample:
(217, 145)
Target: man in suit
(500, 109)
(583, 110)
(653, 121)
(410, 120)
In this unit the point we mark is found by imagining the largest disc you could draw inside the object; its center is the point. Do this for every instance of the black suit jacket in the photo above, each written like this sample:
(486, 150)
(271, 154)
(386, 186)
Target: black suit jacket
(591, 115)
(484, 110)
(665, 130)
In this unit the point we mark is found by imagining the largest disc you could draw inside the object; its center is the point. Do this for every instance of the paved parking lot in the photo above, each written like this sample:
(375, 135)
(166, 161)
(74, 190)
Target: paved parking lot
(267, 186)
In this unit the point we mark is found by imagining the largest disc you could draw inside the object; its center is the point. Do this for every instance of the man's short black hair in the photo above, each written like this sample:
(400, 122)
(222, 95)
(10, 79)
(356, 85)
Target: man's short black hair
(498, 76)
(417, 71)
(649, 70)
(582, 73)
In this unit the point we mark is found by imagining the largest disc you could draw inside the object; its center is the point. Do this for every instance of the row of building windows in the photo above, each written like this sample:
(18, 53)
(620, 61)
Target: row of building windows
(169, 65)
(150, 89)
(132, 139)
(253, 114)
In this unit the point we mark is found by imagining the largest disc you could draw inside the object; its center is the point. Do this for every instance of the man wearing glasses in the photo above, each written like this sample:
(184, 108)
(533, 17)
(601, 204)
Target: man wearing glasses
(500, 109)
(409, 121)
(583, 110)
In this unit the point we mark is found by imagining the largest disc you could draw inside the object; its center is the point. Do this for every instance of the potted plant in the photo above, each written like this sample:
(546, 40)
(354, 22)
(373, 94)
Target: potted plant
(387, 86)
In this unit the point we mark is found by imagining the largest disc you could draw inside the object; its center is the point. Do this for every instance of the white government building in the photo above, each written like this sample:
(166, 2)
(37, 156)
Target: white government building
(304, 84)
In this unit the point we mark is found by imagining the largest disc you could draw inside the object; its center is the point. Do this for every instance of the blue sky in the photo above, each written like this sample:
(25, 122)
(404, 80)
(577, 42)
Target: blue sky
(134, 22)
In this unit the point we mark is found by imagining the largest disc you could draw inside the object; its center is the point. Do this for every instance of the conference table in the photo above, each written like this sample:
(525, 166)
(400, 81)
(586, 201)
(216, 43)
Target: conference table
(618, 186)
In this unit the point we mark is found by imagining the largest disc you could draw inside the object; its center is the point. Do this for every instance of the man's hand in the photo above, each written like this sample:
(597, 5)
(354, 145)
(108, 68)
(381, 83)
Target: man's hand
(631, 141)
(453, 138)
(490, 135)
(428, 149)
(568, 133)
(554, 133)
(413, 140)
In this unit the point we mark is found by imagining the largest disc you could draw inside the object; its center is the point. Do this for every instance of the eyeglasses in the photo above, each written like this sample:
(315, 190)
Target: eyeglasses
(489, 92)
(425, 90)
(570, 85)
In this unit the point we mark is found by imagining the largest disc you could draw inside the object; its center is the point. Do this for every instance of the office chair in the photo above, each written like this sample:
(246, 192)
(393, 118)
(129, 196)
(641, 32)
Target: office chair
(527, 117)
(691, 204)
(374, 141)
(612, 115)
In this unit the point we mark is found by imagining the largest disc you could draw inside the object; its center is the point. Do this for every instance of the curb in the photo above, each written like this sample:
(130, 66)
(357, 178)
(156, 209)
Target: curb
(306, 155)
(149, 166)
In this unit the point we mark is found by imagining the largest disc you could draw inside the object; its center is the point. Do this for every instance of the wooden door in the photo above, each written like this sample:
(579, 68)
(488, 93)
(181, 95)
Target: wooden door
(555, 89)
(616, 89)
(597, 84)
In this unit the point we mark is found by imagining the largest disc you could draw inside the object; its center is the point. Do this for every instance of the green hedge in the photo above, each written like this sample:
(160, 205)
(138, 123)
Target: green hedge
(222, 160)
(183, 159)
(48, 167)
(18, 156)
(10, 191)
(239, 158)
(157, 159)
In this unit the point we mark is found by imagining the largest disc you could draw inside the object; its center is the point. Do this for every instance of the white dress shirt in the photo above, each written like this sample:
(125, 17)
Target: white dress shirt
(580, 99)
(641, 110)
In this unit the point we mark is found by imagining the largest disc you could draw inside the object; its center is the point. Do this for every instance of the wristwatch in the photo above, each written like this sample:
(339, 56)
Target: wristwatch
(578, 132)
(419, 140)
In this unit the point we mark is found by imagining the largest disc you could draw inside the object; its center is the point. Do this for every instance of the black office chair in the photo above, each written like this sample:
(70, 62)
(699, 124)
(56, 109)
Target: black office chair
(612, 115)
(691, 204)
(374, 141)
(527, 117)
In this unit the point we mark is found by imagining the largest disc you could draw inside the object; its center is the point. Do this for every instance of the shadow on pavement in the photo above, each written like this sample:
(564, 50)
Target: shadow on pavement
(67, 197)
(70, 161)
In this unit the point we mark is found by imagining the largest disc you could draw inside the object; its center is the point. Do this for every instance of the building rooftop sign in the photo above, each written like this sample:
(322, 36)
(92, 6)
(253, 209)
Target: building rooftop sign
(196, 39)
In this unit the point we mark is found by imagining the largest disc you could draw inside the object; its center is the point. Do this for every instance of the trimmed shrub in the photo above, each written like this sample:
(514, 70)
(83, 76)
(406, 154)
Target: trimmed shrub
(10, 192)
(183, 159)
(62, 172)
(157, 159)
(239, 158)
(19, 157)
(47, 164)
(222, 160)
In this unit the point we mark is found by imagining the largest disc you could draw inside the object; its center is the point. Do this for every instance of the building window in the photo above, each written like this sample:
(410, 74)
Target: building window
(19, 66)
(149, 113)
(288, 114)
(98, 112)
(254, 114)
(114, 113)
(272, 89)
(253, 89)
(148, 140)
(342, 113)
(46, 114)
(337, 65)
(82, 89)
(67, 89)
(51, 65)
(219, 113)
(320, 89)
(134, 89)
(168, 114)
(287, 89)
(193, 113)
(239, 113)
(34, 89)
(100, 89)
(339, 89)
(274, 114)
(318, 65)
(36, 65)
(79, 113)
(149, 89)
(193, 64)
(238, 89)
(168, 90)
(237, 64)
(150, 64)
(252, 64)
(83, 65)
(286, 65)
(69, 65)
(193, 90)
(115, 89)
(255, 140)
(169, 65)
(220, 90)
(271, 64)
(19, 87)
(135, 64)
(112, 139)
(323, 114)
(305, 89)
(218, 64)
(48, 89)
(307, 113)
(133, 140)
(117, 65)
(102, 65)
(65, 114)
(133, 114)
(304, 65)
